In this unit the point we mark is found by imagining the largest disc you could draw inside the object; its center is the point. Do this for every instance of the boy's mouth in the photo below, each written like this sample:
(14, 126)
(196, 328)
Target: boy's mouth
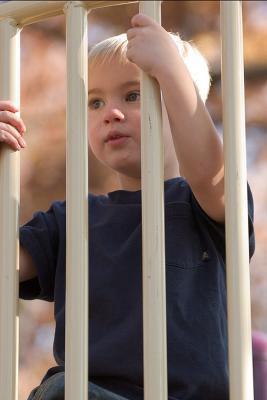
(116, 138)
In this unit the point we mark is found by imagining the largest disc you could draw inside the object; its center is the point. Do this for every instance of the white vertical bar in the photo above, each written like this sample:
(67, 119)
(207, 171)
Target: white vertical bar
(237, 259)
(76, 363)
(154, 292)
(9, 208)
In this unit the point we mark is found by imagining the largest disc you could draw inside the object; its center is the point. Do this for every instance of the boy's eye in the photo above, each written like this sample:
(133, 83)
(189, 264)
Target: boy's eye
(94, 104)
(133, 96)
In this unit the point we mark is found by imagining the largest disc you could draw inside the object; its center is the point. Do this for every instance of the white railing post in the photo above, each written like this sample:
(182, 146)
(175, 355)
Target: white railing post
(153, 228)
(237, 258)
(76, 354)
(9, 208)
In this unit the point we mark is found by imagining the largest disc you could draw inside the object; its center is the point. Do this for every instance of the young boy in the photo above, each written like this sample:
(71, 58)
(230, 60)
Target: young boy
(194, 211)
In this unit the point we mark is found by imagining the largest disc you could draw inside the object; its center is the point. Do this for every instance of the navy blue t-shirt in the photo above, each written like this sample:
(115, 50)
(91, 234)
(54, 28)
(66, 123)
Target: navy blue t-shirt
(195, 287)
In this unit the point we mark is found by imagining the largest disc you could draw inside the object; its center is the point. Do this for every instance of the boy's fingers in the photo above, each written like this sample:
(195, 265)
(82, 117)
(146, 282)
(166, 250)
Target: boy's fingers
(131, 33)
(7, 105)
(7, 138)
(12, 119)
(141, 20)
(7, 131)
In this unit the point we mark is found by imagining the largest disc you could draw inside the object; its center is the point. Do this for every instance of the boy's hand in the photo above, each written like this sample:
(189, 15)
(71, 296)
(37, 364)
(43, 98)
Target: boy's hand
(12, 127)
(150, 46)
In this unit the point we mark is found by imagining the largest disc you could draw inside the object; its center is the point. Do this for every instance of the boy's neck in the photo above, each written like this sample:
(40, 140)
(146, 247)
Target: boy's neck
(133, 184)
(129, 183)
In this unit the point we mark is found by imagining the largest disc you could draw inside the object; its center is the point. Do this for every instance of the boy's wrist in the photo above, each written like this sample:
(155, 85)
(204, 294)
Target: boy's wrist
(166, 73)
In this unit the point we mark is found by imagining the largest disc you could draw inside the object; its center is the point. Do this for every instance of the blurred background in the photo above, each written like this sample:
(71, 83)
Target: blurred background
(43, 96)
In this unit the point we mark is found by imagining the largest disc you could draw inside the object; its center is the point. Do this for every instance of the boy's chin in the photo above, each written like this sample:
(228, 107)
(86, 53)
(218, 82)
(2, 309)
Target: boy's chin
(132, 172)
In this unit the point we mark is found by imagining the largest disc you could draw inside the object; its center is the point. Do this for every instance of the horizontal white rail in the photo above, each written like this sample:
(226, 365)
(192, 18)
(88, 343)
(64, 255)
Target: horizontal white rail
(29, 12)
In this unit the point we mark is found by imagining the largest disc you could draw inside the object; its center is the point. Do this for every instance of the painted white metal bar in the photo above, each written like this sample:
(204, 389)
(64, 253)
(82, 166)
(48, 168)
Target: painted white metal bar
(76, 339)
(153, 238)
(28, 12)
(9, 208)
(237, 259)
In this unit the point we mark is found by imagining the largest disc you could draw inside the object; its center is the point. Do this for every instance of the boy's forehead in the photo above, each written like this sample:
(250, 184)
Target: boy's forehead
(113, 66)
(124, 85)
(113, 74)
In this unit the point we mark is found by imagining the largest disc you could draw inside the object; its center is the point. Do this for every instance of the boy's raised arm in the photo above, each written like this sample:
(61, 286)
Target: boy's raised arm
(197, 145)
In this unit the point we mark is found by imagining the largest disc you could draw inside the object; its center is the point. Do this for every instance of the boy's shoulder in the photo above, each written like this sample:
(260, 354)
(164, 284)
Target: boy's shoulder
(127, 205)
(176, 189)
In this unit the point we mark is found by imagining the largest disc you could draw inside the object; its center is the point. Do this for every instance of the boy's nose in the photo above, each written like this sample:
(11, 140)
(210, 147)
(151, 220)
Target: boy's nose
(114, 115)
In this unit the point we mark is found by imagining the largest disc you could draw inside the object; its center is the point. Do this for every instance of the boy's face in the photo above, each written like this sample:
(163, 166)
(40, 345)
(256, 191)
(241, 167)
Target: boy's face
(115, 120)
(114, 116)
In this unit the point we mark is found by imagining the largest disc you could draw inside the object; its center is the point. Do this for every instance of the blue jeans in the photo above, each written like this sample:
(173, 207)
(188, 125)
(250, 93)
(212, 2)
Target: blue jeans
(53, 389)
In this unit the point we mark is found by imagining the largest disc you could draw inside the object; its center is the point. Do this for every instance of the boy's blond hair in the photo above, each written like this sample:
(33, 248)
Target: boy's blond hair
(196, 64)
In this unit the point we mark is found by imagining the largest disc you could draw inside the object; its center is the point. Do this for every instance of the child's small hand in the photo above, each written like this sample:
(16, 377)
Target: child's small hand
(150, 46)
(12, 127)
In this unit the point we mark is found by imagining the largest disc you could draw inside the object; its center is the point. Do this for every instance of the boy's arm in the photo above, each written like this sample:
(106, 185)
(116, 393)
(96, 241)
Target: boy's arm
(12, 129)
(197, 144)
(198, 147)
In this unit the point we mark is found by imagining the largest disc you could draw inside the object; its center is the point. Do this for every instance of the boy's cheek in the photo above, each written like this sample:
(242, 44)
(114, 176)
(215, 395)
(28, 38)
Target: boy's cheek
(90, 138)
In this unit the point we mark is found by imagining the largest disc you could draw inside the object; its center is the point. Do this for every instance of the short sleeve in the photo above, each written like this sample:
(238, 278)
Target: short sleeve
(217, 230)
(40, 237)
